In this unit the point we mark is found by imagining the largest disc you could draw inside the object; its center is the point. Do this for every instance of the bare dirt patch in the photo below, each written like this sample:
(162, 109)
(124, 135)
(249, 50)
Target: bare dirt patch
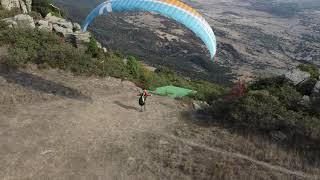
(91, 128)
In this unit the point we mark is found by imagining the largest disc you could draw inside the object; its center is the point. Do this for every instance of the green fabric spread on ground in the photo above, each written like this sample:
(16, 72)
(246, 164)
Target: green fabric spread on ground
(173, 91)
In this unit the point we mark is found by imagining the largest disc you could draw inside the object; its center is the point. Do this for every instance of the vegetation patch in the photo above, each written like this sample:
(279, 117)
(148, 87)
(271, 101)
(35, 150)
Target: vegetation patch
(47, 49)
(45, 6)
(271, 104)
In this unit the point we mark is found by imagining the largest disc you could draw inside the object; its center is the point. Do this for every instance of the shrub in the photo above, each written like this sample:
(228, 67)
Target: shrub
(45, 6)
(93, 48)
(310, 68)
(41, 6)
(271, 105)
(133, 67)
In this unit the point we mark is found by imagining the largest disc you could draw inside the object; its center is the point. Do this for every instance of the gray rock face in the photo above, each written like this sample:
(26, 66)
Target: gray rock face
(61, 30)
(84, 37)
(20, 21)
(296, 76)
(59, 21)
(44, 25)
(23, 5)
(60, 25)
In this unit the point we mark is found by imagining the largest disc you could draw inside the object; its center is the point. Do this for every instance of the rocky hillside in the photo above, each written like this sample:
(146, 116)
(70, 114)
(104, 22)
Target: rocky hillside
(255, 38)
(24, 5)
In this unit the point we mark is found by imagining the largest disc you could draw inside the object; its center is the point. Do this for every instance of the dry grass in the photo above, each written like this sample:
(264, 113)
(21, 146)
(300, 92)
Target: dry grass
(251, 144)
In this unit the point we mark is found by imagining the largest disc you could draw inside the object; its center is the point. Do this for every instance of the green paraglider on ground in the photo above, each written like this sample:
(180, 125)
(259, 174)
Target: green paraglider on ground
(173, 91)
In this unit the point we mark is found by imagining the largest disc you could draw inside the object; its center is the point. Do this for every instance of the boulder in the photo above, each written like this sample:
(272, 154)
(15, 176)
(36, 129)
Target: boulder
(82, 36)
(24, 20)
(20, 21)
(65, 24)
(61, 30)
(317, 87)
(44, 25)
(76, 27)
(297, 76)
(57, 21)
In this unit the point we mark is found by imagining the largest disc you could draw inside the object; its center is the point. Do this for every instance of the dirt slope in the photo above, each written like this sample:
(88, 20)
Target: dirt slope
(57, 126)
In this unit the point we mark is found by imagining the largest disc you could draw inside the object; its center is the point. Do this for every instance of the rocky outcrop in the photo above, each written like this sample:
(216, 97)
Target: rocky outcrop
(60, 25)
(44, 25)
(84, 37)
(23, 5)
(297, 76)
(61, 30)
(70, 31)
(20, 21)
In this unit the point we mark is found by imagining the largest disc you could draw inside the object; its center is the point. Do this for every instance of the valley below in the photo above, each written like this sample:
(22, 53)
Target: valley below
(255, 38)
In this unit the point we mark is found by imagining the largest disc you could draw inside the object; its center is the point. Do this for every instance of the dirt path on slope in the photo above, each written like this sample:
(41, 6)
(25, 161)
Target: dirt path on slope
(56, 126)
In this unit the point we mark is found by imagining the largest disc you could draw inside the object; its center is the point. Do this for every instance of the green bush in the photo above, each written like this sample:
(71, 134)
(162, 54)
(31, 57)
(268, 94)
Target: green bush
(133, 67)
(271, 104)
(41, 6)
(44, 7)
(280, 88)
(310, 68)
(47, 50)
(93, 48)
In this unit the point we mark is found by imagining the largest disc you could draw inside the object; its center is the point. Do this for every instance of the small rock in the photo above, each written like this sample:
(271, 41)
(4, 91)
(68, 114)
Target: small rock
(278, 135)
(306, 100)
(99, 45)
(198, 105)
(63, 31)
(163, 142)
(296, 76)
(24, 20)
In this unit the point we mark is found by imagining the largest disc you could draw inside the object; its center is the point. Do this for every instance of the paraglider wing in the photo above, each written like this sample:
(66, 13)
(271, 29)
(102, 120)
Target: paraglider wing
(173, 9)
